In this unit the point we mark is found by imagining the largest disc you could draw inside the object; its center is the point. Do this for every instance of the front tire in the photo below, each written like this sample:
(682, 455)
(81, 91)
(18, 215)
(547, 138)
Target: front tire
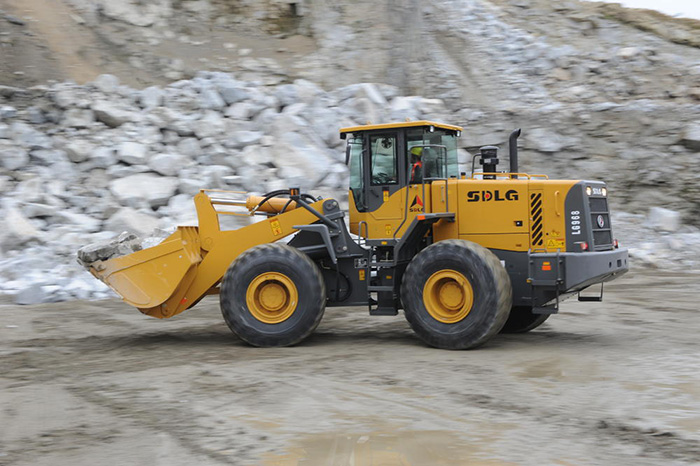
(272, 295)
(456, 294)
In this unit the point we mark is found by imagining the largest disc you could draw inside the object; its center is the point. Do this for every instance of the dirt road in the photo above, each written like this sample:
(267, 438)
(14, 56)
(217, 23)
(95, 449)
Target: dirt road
(97, 383)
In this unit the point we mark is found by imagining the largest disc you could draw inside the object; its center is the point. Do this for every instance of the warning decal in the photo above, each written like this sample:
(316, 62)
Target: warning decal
(276, 227)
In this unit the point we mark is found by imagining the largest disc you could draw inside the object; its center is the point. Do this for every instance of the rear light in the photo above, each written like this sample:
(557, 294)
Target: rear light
(616, 244)
(583, 245)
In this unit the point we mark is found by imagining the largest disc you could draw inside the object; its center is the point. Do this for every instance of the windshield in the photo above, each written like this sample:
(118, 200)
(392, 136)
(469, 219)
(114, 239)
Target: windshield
(433, 160)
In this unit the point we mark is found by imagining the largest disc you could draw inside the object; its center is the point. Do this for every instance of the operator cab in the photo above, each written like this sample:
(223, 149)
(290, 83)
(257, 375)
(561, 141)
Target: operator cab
(388, 157)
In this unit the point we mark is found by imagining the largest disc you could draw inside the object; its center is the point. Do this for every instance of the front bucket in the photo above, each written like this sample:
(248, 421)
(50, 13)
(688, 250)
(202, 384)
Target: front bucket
(149, 278)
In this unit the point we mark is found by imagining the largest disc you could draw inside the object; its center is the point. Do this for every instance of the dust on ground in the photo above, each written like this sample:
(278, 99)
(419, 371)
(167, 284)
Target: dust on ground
(86, 383)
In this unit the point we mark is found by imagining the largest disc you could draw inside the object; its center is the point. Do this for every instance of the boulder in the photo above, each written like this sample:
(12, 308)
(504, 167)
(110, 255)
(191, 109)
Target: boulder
(32, 294)
(29, 137)
(133, 221)
(231, 92)
(107, 83)
(78, 151)
(112, 115)
(125, 243)
(242, 111)
(7, 112)
(189, 147)
(240, 139)
(78, 118)
(664, 219)
(211, 125)
(155, 190)
(84, 222)
(13, 158)
(151, 97)
(132, 153)
(167, 164)
(548, 141)
(210, 99)
(627, 53)
(18, 230)
(691, 136)
(104, 157)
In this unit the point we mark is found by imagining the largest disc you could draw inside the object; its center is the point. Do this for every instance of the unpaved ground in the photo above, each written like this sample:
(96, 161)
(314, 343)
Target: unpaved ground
(97, 383)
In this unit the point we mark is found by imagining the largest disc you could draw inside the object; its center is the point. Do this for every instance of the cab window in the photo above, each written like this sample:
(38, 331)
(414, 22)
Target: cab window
(383, 159)
(438, 152)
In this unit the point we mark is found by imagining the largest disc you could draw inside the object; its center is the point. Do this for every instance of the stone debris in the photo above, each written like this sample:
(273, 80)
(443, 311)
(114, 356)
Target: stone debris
(125, 243)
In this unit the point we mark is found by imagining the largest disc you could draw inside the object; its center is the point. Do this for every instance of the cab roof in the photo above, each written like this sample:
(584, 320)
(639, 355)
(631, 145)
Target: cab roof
(403, 124)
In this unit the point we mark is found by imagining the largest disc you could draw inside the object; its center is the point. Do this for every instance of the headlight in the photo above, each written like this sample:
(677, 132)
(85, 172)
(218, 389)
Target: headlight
(589, 190)
(605, 191)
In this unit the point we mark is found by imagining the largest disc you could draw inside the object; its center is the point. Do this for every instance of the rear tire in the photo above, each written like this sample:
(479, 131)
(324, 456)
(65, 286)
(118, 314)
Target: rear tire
(456, 294)
(272, 295)
(521, 320)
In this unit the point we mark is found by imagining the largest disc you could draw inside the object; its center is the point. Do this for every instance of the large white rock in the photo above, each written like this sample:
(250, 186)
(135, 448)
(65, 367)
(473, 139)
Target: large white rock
(112, 115)
(126, 243)
(691, 136)
(13, 158)
(296, 157)
(132, 153)
(404, 107)
(231, 92)
(547, 140)
(664, 219)
(104, 157)
(151, 97)
(211, 125)
(210, 99)
(29, 137)
(133, 221)
(84, 222)
(78, 118)
(240, 139)
(106, 83)
(189, 147)
(167, 164)
(32, 294)
(155, 190)
(18, 230)
(78, 151)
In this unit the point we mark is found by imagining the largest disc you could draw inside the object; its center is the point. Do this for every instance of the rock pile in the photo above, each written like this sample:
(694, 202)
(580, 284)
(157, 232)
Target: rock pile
(82, 164)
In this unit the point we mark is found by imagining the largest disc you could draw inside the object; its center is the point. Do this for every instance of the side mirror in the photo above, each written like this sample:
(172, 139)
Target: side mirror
(347, 154)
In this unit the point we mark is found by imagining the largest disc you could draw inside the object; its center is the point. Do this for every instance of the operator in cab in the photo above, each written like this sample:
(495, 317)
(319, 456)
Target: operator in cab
(416, 155)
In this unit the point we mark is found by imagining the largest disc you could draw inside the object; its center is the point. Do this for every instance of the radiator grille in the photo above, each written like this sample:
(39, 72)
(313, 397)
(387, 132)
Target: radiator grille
(600, 222)
(536, 216)
(598, 204)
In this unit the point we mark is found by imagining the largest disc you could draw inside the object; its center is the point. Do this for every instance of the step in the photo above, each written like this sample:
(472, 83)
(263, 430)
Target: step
(380, 288)
(382, 264)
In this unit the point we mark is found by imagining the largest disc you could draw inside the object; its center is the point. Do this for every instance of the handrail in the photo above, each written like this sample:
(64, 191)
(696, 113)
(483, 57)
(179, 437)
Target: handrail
(507, 175)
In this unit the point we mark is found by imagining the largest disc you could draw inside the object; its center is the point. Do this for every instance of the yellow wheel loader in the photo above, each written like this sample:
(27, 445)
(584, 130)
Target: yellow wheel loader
(465, 257)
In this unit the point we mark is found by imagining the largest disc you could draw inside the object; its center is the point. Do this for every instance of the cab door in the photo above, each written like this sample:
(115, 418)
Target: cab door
(384, 173)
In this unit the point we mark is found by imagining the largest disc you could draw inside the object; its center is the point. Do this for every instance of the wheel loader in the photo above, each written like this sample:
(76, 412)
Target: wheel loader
(466, 256)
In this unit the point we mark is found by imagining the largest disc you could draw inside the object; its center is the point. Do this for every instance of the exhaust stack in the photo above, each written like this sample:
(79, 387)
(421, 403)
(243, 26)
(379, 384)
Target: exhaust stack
(513, 152)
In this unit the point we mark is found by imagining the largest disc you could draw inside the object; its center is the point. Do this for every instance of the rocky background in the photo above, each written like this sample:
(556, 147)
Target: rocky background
(600, 91)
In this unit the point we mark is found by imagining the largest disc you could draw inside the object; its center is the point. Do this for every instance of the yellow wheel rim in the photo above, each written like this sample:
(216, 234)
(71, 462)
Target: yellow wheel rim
(448, 296)
(272, 297)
